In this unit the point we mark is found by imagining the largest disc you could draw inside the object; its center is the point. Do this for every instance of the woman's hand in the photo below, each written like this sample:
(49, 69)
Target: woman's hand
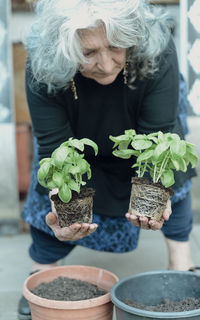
(147, 224)
(72, 233)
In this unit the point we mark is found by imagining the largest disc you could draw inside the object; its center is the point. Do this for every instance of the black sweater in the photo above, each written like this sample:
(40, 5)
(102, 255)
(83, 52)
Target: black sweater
(101, 111)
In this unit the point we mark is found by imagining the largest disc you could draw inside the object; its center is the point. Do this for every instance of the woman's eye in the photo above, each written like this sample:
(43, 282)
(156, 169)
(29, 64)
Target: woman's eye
(89, 53)
(114, 48)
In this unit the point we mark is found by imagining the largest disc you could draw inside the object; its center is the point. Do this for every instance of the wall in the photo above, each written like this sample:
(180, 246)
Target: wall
(8, 174)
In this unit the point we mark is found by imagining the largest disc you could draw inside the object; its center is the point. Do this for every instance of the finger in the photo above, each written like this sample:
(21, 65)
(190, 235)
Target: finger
(74, 228)
(84, 227)
(144, 223)
(93, 227)
(133, 219)
(52, 222)
(156, 225)
(67, 233)
(51, 219)
(168, 211)
(87, 228)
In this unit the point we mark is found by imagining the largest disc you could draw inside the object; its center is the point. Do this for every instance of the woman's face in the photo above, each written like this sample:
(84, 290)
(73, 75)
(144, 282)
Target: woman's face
(105, 61)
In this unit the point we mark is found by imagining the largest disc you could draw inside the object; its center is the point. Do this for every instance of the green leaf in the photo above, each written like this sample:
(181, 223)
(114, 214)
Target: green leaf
(178, 147)
(130, 132)
(65, 144)
(172, 136)
(83, 165)
(141, 144)
(74, 186)
(147, 154)
(153, 134)
(124, 154)
(66, 168)
(121, 138)
(182, 165)
(160, 136)
(123, 145)
(51, 185)
(74, 170)
(160, 149)
(65, 193)
(167, 178)
(45, 160)
(91, 144)
(140, 137)
(59, 156)
(175, 163)
(154, 139)
(58, 179)
(43, 173)
(89, 173)
(193, 159)
(190, 147)
(78, 144)
(136, 165)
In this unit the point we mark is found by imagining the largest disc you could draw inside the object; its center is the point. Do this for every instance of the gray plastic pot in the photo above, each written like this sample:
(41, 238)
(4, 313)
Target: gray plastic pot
(151, 288)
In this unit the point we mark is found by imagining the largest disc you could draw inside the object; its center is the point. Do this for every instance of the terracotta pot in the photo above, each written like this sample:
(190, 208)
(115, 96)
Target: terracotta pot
(92, 309)
(24, 155)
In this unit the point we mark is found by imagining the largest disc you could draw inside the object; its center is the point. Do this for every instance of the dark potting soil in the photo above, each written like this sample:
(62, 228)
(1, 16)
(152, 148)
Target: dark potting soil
(67, 289)
(78, 209)
(168, 306)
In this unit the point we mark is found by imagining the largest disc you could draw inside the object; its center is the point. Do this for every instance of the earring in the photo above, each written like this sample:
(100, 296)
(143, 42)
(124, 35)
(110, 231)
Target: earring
(73, 87)
(125, 73)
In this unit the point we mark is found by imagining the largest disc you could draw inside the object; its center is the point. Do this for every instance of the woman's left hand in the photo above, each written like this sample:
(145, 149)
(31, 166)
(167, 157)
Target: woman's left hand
(145, 223)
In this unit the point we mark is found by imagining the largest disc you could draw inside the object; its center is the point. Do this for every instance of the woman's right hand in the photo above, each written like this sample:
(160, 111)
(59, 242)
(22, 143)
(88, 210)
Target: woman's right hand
(72, 233)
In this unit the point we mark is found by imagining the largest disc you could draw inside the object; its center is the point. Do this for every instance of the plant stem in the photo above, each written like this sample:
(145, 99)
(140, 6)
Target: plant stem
(163, 166)
(144, 169)
(154, 174)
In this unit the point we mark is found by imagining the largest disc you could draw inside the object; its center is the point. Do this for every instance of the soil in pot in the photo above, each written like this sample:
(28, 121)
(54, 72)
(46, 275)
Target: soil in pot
(78, 209)
(67, 289)
(168, 306)
(148, 199)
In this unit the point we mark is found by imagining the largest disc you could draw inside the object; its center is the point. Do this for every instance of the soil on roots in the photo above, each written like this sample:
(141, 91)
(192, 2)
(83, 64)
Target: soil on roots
(148, 199)
(78, 209)
(67, 289)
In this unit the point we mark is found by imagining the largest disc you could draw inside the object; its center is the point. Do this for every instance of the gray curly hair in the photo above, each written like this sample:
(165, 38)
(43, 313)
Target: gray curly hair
(54, 45)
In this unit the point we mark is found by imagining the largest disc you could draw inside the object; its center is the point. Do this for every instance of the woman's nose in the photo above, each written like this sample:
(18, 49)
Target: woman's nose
(105, 62)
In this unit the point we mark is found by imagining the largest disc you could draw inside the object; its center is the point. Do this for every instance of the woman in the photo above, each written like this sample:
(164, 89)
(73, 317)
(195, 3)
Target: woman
(94, 69)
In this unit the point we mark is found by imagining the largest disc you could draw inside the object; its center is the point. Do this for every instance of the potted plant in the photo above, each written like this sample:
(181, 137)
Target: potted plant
(99, 307)
(157, 155)
(65, 171)
(161, 294)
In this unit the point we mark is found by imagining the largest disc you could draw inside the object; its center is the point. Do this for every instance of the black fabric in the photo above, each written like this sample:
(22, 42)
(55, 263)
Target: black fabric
(101, 111)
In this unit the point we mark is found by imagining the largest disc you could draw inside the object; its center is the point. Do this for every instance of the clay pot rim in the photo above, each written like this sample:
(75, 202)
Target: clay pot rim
(56, 304)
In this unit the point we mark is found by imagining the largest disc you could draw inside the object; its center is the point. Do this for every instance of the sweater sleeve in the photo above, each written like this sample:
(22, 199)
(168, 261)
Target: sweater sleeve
(49, 118)
(159, 105)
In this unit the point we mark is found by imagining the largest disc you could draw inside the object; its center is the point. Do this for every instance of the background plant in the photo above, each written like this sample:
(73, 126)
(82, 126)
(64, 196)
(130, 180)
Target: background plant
(158, 154)
(65, 168)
